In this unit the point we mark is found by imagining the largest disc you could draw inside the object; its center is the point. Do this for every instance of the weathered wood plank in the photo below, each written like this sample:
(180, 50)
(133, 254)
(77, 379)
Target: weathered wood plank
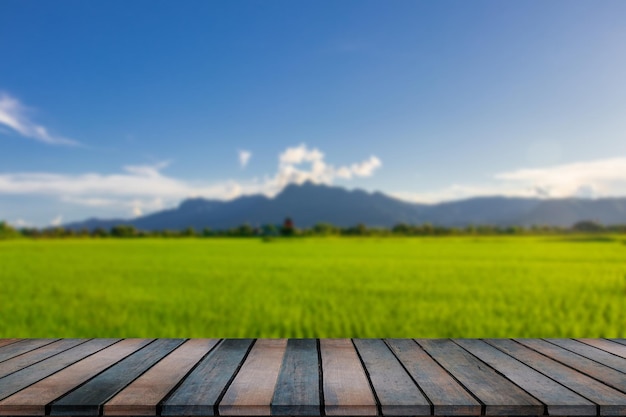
(586, 366)
(252, 390)
(18, 348)
(559, 400)
(142, 396)
(607, 346)
(499, 395)
(610, 401)
(88, 398)
(26, 359)
(32, 400)
(620, 341)
(593, 353)
(397, 393)
(199, 392)
(4, 342)
(346, 387)
(447, 396)
(297, 389)
(16, 381)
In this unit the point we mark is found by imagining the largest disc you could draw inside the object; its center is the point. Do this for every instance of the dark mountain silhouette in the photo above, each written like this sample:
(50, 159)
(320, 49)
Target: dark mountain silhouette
(309, 204)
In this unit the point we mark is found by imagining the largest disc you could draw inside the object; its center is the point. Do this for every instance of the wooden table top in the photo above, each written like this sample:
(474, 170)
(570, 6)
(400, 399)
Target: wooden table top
(356, 377)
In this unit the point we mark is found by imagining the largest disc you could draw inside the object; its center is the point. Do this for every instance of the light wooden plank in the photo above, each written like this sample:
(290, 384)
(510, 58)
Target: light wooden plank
(346, 388)
(607, 346)
(499, 395)
(143, 395)
(22, 361)
(4, 342)
(586, 366)
(200, 391)
(560, 401)
(19, 348)
(252, 390)
(88, 398)
(447, 396)
(610, 401)
(32, 400)
(297, 389)
(593, 353)
(16, 381)
(397, 393)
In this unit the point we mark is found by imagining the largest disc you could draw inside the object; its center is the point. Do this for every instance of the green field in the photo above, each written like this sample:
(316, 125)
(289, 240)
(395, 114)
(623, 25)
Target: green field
(317, 287)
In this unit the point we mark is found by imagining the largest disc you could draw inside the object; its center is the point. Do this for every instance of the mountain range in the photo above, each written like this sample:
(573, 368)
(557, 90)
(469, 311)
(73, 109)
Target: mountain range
(309, 203)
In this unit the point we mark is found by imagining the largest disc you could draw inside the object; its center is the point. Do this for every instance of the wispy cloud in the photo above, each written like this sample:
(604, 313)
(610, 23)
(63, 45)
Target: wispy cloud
(244, 157)
(14, 115)
(57, 221)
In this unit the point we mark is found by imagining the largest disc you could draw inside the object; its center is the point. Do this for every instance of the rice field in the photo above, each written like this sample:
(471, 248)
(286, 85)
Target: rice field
(316, 287)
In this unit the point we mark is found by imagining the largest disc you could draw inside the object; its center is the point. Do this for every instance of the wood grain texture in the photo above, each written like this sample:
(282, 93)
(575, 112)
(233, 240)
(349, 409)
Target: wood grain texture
(593, 353)
(4, 342)
(88, 398)
(346, 388)
(499, 395)
(447, 396)
(397, 394)
(18, 348)
(200, 391)
(297, 389)
(620, 341)
(16, 381)
(559, 400)
(607, 346)
(252, 390)
(142, 396)
(37, 355)
(610, 401)
(33, 399)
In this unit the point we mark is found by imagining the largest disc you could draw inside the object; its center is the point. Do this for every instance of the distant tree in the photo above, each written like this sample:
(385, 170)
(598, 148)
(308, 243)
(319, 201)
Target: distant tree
(288, 228)
(245, 230)
(588, 226)
(189, 232)
(6, 231)
(325, 229)
(206, 232)
(123, 230)
(269, 230)
(401, 229)
(99, 232)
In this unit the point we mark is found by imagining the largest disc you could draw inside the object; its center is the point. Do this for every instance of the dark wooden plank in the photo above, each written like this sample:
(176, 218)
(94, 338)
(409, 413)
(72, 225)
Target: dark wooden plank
(559, 400)
(610, 401)
(586, 366)
(199, 392)
(18, 348)
(22, 361)
(32, 400)
(396, 392)
(607, 346)
(297, 389)
(142, 396)
(16, 381)
(447, 396)
(346, 388)
(88, 398)
(499, 395)
(620, 341)
(252, 390)
(4, 342)
(593, 353)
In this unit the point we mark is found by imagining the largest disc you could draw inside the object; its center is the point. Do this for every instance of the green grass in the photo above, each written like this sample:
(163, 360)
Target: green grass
(324, 287)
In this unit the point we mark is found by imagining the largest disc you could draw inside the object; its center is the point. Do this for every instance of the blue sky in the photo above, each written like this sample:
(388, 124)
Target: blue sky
(116, 109)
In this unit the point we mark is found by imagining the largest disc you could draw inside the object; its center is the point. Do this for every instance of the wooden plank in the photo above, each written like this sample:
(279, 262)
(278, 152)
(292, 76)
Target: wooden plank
(252, 390)
(499, 395)
(16, 381)
(200, 391)
(347, 390)
(88, 398)
(607, 346)
(18, 348)
(586, 366)
(559, 400)
(593, 353)
(620, 341)
(610, 401)
(297, 389)
(447, 396)
(33, 399)
(22, 361)
(4, 342)
(143, 395)
(396, 392)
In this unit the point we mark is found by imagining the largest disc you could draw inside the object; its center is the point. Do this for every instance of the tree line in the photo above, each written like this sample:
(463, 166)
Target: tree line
(288, 229)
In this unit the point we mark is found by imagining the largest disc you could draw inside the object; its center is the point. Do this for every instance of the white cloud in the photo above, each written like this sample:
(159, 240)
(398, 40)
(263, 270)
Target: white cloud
(19, 223)
(244, 157)
(14, 115)
(57, 221)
